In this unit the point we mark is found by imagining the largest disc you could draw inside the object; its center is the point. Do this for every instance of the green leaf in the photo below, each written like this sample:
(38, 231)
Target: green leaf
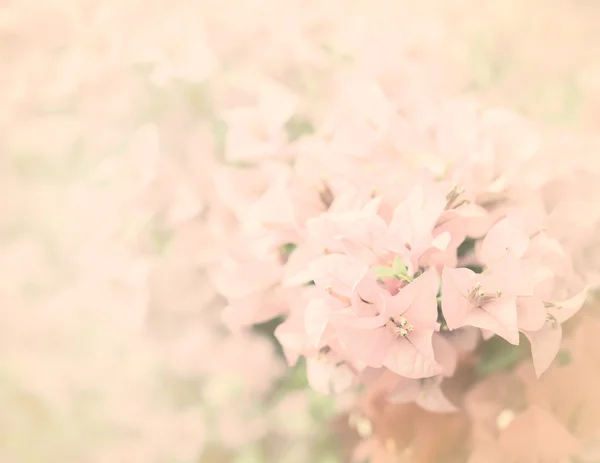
(383, 272)
(285, 251)
(267, 329)
(162, 237)
(563, 357)
(466, 247)
(295, 379)
(475, 268)
(220, 130)
(288, 248)
(298, 127)
(398, 267)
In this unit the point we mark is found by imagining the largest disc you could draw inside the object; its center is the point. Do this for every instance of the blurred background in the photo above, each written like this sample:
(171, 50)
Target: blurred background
(112, 121)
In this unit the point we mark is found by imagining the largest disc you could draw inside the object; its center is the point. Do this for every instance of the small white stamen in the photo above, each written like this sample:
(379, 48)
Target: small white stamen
(504, 419)
(363, 425)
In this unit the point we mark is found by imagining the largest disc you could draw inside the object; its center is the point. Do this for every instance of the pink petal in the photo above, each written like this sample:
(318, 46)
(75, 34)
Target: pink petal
(464, 339)
(433, 399)
(316, 317)
(531, 313)
(421, 297)
(479, 220)
(368, 298)
(291, 339)
(398, 304)
(348, 318)
(507, 276)
(358, 251)
(454, 223)
(338, 272)
(406, 391)
(541, 280)
(444, 353)
(545, 344)
(564, 310)
(412, 357)
(487, 452)
(274, 207)
(235, 279)
(456, 284)
(364, 345)
(328, 378)
(499, 316)
(442, 241)
(371, 209)
(297, 269)
(536, 435)
(486, 335)
(414, 219)
(545, 244)
(503, 240)
(257, 308)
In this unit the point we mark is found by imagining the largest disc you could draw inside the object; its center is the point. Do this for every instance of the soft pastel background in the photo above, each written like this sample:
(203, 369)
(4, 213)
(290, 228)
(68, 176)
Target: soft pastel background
(111, 348)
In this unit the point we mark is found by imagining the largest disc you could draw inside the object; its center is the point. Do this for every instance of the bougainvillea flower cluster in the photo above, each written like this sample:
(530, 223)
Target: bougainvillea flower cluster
(392, 244)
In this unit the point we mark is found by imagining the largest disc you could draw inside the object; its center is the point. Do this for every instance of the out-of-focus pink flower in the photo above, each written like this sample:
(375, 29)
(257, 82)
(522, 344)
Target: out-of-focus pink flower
(533, 435)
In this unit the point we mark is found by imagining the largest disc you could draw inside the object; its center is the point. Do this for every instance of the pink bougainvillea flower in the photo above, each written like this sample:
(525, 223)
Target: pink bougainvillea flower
(510, 428)
(403, 340)
(545, 344)
(536, 435)
(492, 403)
(505, 313)
(425, 392)
(406, 433)
(564, 310)
(569, 389)
(479, 300)
(546, 340)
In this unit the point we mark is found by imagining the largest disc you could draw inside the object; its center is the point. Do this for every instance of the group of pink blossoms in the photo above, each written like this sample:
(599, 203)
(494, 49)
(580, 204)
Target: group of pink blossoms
(393, 245)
